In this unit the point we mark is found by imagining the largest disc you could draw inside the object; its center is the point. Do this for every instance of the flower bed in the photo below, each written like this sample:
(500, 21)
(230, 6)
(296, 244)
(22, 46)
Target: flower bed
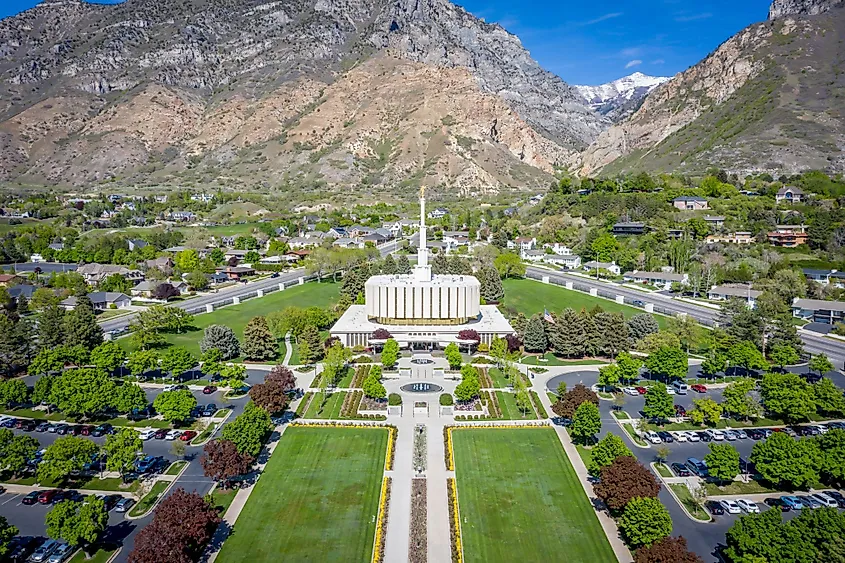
(481, 360)
(538, 406)
(420, 448)
(455, 522)
(484, 378)
(303, 369)
(472, 405)
(420, 404)
(447, 448)
(418, 546)
(370, 404)
(381, 522)
(360, 375)
(493, 408)
(538, 370)
(391, 449)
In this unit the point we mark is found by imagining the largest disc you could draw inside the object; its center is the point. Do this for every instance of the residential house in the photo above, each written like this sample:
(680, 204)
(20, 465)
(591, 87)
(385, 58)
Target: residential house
(347, 243)
(164, 263)
(690, 203)
(182, 216)
(438, 213)
(205, 198)
(57, 246)
(302, 242)
(523, 244)
(144, 289)
(534, 200)
(7, 280)
(316, 235)
(611, 267)
(181, 286)
(819, 311)
(790, 195)
(280, 259)
(454, 239)
(101, 300)
(509, 212)
(567, 261)
(739, 237)
(559, 249)
(818, 276)
(734, 291)
(658, 279)
(217, 278)
(789, 236)
(338, 232)
(22, 290)
(533, 255)
(36, 258)
(716, 221)
(237, 272)
(160, 198)
(95, 273)
(629, 229)
(376, 238)
(675, 234)
(136, 244)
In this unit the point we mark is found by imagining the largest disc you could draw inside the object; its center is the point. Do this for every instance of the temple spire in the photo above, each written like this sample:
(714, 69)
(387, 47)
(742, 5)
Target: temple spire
(422, 271)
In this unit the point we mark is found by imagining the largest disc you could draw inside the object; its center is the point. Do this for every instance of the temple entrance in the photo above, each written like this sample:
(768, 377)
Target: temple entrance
(423, 346)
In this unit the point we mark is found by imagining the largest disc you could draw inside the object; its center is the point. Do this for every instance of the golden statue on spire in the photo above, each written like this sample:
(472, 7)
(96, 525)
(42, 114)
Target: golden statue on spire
(422, 192)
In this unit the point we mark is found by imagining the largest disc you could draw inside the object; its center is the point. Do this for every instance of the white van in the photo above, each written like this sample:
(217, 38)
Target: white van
(680, 387)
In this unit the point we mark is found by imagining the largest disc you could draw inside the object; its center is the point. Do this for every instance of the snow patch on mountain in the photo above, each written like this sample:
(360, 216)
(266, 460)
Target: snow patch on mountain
(620, 98)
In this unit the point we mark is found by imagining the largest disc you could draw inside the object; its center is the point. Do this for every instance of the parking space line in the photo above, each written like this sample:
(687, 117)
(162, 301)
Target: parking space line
(13, 498)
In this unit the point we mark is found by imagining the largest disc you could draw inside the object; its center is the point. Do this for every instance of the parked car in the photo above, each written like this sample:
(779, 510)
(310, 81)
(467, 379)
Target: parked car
(209, 410)
(62, 429)
(754, 434)
(809, 502)
(793, 502)
(825, 500)
(147, 434)
(729, 435)
(681, 436)
(680, 470)
(209, 389)
(630, 391)
(717, 435)
(775, 502)
(160, 434)
(173, 434)
(705, 437)
(42, 427)
(31, 498)
(740, 433)
(638, 303)
(44, 551)
(188, 435)
(62, 553)
(766, 432)
(145, 464)
(731, 507)
(653, 438)
(698, 388)
(103, 429)
(46, 497)
(693, 436)
(666, 437)
(27, 425)
(748, 506)
(680, 410)
(8, 422)
(714, 507)
(124, 504)
(641, 390)
(53, 428)
(838, 497)
(19, 549)
(110, 501)
(68, 494)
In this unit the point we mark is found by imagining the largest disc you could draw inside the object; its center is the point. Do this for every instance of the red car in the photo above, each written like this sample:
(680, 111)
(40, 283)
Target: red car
(208, 389)
(188, 435)
(86, 430)
(642, 390)
(47, 496)
(699, 388)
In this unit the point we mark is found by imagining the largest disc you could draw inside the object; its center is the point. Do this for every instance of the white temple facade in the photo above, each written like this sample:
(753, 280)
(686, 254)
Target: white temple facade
(421, 310)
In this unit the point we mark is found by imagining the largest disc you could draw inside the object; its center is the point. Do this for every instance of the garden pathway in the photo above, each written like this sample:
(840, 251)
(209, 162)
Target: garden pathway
(288, 350)
(439, 534)
(399, 512)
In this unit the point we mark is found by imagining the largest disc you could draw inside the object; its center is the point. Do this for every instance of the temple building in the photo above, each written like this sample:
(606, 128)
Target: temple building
(421, 310)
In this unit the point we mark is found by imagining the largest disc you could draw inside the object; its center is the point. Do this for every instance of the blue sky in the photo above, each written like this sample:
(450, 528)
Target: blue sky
(598, 41)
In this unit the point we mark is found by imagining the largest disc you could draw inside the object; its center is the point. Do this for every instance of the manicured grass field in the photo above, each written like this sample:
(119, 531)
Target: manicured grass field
(519, 498)
(530, 297)
(331, 410)
(507, 403)
(237, 316)
(316, 501)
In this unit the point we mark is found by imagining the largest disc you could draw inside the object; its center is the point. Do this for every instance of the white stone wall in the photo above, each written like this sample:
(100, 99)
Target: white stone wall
(424, 301)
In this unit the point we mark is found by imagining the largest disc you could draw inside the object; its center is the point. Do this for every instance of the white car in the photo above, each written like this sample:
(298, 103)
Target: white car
(670, 391)
(821, 428)
(825, 499)
(731, 507)
(748, 506)
(717, 435)
(729, 435)
(173, 434)
(693, 437)
(653, 438)
(741, 434)
(147, 434)
(630, 391)
(680, 436)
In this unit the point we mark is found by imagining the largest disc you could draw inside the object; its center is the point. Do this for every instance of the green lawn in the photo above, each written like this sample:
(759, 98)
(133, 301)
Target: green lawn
(146, 503)
(530, 297)
(237, 316)
(331, 410)
(663, 470)
(552, 360)
(316, 501)
(222, 498)
(507, 403)
(102, 555)
(696, 510)
(519, 498)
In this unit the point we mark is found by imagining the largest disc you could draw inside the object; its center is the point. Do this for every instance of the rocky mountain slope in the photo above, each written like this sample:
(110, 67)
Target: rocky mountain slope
(768, 99)
(781, 8)
(619, 99)
(287, 94)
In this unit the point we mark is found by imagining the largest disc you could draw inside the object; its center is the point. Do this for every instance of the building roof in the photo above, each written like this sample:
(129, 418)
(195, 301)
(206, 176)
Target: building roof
(599, 265)
(632, 225)
(790, 189)
(815, 272)
(714, 218)
(6, 278)
(490, 320)
(735, 290)
(22, 289)
(690, 198)
(146, 285)
(106, 296)
(819, 304)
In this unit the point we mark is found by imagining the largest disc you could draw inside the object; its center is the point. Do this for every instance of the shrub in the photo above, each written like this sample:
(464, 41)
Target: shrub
(394, 400)
(446, 400)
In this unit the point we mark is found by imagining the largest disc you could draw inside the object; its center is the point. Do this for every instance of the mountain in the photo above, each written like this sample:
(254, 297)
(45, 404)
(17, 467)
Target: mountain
(280, 94)
(767, 99)
(619, 99)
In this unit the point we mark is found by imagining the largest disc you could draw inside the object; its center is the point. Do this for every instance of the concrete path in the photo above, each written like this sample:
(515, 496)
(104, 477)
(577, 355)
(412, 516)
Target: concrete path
(399, 511)
(439, 534)
(623, 554)
(288, 350)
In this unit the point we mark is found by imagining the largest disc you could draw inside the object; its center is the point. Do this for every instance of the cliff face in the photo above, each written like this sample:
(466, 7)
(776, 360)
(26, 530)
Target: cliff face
(193, 89)
(781, 8)
(768, 99)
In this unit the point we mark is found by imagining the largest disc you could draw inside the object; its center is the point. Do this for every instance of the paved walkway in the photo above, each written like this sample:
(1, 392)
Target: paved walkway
(399, 511)
(439, 534)
(288, 350)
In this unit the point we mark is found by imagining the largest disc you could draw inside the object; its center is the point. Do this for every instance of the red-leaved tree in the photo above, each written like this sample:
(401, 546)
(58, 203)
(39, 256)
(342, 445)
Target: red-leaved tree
(380, 334)
(625, 479)
(281, 376)
(469, 334)
(565, 406)
(222, 461)
(164, 291)
(667, 550)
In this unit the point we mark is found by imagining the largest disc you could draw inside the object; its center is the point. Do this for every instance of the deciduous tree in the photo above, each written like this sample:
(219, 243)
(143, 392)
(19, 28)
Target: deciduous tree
(788, 396)
(177, 360)
(586, 423)
(7, 533)
(565, 406)
(389, 353)
(667, 550)
(85, 392)
(722, 462)
(667, 363)
(737, 400)
(175, 406)
(781, 460)
(659, 405)
(623, 480)
(644, 522)
(706, 411)
(248, 430)
(66, 454)
(108, 356)
(128, 397)
(606, 451)
(142, 361)
(509, 265)
(820, 364)
(78, 523)
(122, 449)
(829, 398)
(222, 461)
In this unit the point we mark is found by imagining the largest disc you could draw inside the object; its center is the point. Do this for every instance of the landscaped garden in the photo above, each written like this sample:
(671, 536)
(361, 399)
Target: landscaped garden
(237, 316)
(518, 494)
(316, 499)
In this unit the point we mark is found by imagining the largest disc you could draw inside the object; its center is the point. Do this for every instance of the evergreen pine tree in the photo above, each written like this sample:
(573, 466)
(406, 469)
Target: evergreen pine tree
(491, 284)
(259, 342)
(568, 336)
(312, 336)
(613, 331)
(440, 264)
(80, 325)
(51, 327)
(403, 266)
(785, 333)
(592, 336)
(15, 345)
(535, 335)
(388, 265)
(519, 323)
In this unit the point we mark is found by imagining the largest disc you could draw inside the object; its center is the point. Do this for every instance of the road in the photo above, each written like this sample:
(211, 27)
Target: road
(815, 344)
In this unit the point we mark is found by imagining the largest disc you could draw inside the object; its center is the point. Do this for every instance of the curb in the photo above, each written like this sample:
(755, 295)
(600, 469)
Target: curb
(115, 554)
(627, 435)
(681, 504)
(157, 502)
